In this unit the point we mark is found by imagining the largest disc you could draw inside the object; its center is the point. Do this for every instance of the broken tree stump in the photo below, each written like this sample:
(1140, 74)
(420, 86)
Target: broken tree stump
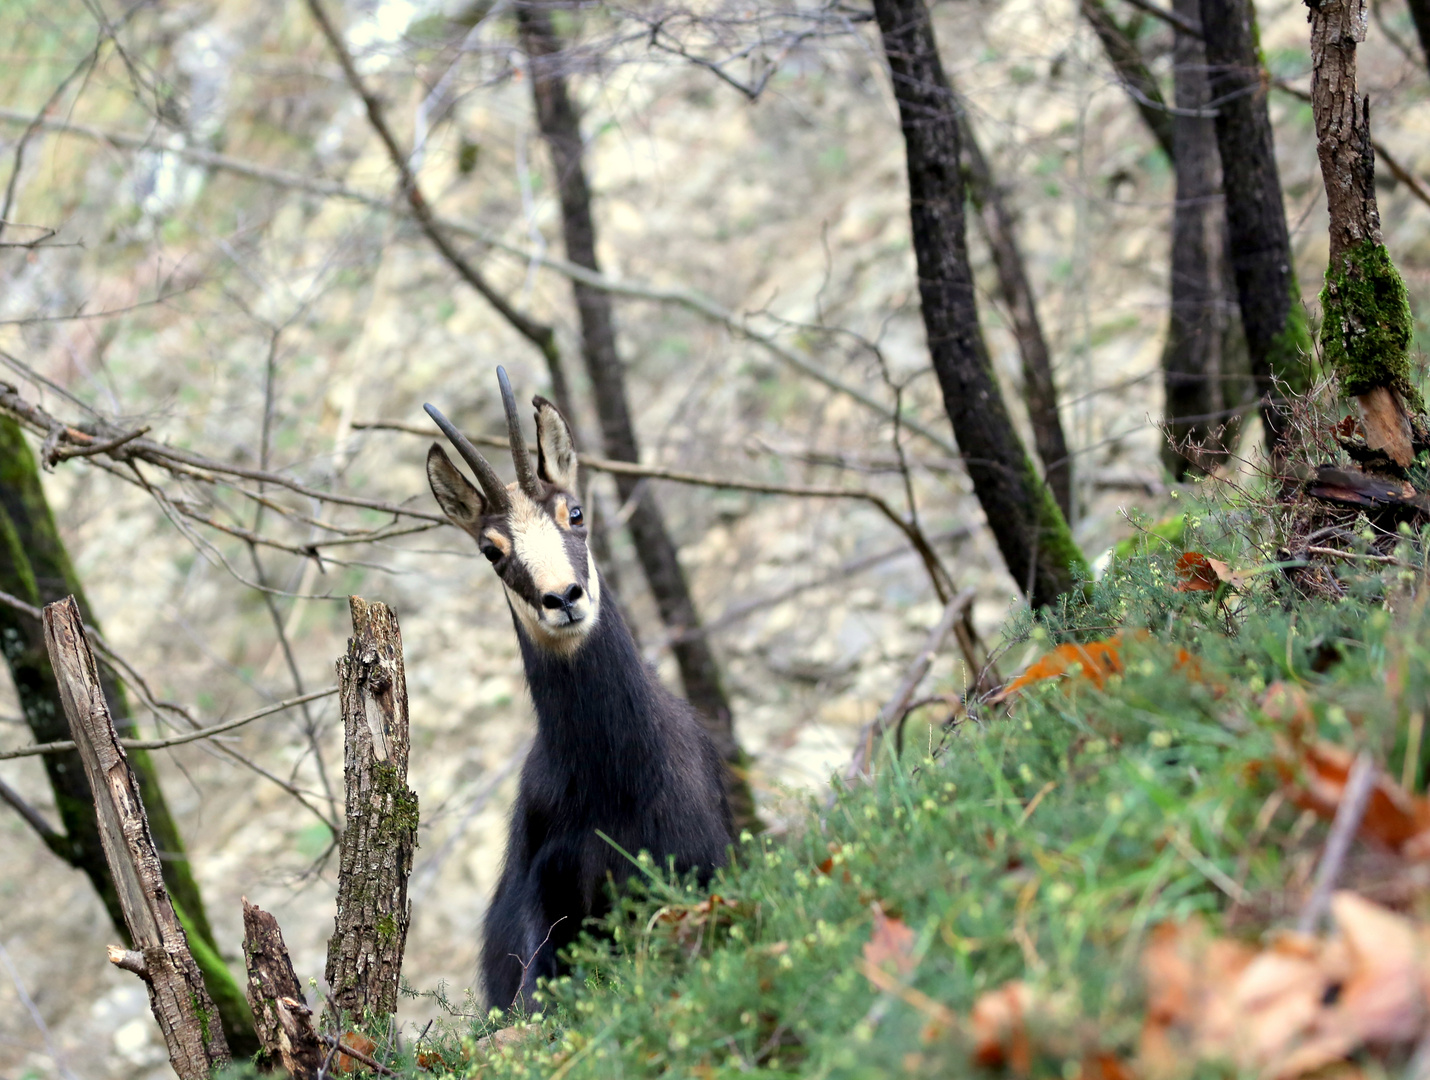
(180, 1001)
(280, 1013)
(375, 857)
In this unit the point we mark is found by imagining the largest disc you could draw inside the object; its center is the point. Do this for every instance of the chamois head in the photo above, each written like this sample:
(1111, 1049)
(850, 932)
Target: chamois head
(532, 532)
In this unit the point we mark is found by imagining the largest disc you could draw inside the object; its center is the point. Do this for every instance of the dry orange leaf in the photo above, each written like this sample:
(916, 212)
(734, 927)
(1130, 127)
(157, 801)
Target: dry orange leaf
(891, 945)
(999, 1025)
(1093, 661)
(1316, 777)
(355, 1040)
(1196, 572)
(1290, 1009)
(1200, 573)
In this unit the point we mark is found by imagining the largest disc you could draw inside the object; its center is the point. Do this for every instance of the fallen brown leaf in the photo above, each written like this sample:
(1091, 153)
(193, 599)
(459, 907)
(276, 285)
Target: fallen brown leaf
(891, 944)
(999, 1026)
(1300, 1005)
(359, 1042)
(1315, 775)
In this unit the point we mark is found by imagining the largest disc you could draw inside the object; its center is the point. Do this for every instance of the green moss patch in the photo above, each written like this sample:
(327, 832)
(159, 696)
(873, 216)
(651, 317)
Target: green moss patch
(1366, 325)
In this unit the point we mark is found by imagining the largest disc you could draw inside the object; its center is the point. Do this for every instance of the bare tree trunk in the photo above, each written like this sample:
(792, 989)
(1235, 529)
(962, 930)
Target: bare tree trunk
(1366, 326)
(1134, 74)
(177, 995)
(1031, 532)
(1191, 358)
(561, 128)
(35, 567)
(375, 857)
(1277, 338)
(1039, 389)
(280, 1011)
(1420, 12)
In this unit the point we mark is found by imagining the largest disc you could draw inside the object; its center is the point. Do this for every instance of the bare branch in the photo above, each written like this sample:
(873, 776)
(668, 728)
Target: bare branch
(740, 324)
(174, 740)
(1397, 168)
(893, 710)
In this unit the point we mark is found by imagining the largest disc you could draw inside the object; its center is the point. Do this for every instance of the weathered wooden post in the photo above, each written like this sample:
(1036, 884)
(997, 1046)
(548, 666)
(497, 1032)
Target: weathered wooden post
(375, 857)
(280, 1013)
(177, 994)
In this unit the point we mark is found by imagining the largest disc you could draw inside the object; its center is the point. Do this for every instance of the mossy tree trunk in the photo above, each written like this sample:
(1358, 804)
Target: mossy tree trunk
(1032, 533)
(1366, 326)
(379, 839)
(1040, 391)
(35, 568)
(1192, 356)
(1268, 295)
(655, 548)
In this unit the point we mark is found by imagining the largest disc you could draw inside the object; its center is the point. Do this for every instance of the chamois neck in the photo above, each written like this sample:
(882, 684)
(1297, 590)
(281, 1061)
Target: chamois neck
(603, 696)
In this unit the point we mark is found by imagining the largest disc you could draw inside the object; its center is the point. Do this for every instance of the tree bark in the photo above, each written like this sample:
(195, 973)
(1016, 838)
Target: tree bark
(35, 567)
(1031, 532)
(280, 1011)
(375, 855)
(561, 128)
(1366, 328)
(1039, 388)
(1277, 338)
(1191, 358)
(180, 1002)
(1133, 73)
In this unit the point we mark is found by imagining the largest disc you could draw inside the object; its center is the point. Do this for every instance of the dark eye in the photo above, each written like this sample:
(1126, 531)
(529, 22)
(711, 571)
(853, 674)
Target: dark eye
(574, 515)
(492, 552)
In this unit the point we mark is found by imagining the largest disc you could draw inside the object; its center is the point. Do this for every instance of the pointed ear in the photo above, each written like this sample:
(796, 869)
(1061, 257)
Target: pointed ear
(556, 449)
(460, 501)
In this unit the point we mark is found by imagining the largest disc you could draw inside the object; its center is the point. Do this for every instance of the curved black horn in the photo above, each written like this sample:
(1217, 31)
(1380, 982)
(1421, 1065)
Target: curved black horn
(520, 455)
(495, 491)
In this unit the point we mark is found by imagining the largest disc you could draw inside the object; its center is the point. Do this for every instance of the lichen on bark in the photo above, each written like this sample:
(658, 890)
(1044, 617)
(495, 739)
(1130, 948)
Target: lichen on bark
(1367, 328)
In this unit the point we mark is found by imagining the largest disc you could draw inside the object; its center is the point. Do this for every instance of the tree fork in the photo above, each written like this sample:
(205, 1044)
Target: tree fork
(1032, 533)
(1366, 327)
(1040, 390)
(659, 558)
(375, 852)
(35, 567)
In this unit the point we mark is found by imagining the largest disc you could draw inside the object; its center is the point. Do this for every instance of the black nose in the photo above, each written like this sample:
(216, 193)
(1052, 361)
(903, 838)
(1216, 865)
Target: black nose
(562, 601)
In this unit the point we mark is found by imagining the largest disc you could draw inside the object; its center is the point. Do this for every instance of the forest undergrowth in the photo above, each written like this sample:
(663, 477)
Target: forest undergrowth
(1099, 875)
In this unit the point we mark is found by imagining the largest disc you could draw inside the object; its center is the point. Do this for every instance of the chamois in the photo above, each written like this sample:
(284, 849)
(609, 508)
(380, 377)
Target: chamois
(614, 753)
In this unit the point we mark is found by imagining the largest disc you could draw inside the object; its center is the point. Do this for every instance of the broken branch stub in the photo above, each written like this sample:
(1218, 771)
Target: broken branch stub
(180, 1001)
(365, 951)
(280, 1013)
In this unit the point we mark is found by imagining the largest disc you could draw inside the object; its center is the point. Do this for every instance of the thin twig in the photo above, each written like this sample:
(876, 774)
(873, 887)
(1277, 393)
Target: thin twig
(106, 447)
(175, 460)
(1168, 16)
(356, 1055)
(55, 840)
(208, 732)
(860, 762)
(1397, 169)
(1354, 800)
(738, 323)
(932, 564)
